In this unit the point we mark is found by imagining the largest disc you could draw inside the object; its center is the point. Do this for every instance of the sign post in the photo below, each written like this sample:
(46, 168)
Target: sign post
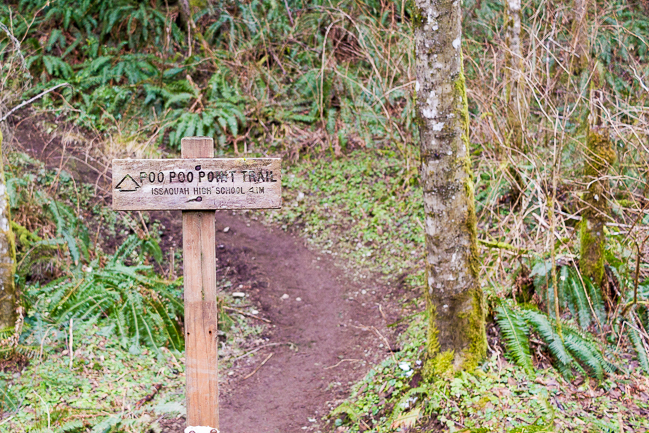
(198, 184)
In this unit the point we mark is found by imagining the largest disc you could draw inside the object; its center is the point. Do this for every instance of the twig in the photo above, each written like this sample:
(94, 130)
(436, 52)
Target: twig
(258, 367)
(255, 350)
(382, 313)
(40, 354)
(40, 95)
(16, 44)
(149, 397)
(341, 361)
(372, 328)
(146, 229)
(290, 15)
(247, 315)
(502, 246)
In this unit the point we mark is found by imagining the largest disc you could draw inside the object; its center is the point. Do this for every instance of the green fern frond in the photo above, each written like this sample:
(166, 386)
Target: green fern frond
(596, 300)
(130, 298)
(585, 352)
(548, 334)
(576, 296)
(515, 333)
(639, 346)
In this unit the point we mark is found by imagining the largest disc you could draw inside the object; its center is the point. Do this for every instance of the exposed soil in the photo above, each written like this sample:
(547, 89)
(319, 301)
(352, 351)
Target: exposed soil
(332, 327)
(326, 335)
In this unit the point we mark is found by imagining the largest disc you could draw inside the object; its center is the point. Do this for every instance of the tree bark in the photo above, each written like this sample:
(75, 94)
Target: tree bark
(454, 299)
(600, 155)
(514, 93)
(8, 299)
(579, 60)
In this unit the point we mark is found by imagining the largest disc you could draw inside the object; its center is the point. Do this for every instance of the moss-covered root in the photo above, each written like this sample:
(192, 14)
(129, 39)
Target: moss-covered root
(8, 301)
(600, 154)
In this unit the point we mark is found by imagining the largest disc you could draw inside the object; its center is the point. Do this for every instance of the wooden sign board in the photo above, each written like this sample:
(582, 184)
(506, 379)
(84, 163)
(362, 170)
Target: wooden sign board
(197, 184)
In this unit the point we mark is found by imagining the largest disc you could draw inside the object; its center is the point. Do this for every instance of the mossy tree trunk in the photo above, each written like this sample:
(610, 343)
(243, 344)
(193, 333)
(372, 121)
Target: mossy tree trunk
(454, 299)
(599, 156)
(8, 299)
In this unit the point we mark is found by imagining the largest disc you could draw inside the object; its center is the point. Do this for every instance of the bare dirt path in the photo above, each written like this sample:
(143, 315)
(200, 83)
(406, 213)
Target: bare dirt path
(332, 327)
(320, 343)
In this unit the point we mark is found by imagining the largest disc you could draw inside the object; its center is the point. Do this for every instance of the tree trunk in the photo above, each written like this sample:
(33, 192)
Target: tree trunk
(8, 300)
(600, 154)
(579, 60)
(454, 299)
(514, 93)
(516, 103)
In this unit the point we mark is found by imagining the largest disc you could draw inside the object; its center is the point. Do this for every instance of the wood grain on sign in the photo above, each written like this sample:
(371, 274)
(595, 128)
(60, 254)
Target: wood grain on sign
(201, 314)
(197, 184)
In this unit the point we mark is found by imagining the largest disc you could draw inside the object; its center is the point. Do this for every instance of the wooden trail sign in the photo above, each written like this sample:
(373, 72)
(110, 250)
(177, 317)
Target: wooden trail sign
(198, 184)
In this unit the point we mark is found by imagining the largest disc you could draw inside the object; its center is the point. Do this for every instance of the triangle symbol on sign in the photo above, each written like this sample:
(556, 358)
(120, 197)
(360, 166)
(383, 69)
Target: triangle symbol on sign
(127, 184)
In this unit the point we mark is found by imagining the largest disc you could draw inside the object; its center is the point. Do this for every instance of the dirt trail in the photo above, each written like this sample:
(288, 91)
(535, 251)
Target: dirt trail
(320, 344)
(293, 386)
(330, 326)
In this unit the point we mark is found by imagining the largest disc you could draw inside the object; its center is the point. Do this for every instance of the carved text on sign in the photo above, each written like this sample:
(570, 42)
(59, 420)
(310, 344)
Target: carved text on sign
(186, 184)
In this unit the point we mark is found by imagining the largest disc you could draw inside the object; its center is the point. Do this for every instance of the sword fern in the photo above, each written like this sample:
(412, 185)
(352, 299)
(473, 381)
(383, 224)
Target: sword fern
(515, 333)
(129, 299)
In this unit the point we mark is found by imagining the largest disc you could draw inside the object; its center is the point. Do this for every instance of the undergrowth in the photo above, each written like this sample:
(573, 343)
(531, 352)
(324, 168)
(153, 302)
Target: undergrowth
(101, 344)
(496, 397)
(248, 73)
(363, 206)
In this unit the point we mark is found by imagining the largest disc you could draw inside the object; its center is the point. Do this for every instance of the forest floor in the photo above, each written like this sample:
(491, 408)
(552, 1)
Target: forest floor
(323, 332)
(320, 328)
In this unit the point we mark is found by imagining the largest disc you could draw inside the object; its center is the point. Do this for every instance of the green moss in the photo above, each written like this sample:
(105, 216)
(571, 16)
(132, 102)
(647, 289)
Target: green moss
(474, 326)
(24, 236)
(592, 248)
(600, 156)
(471, 324)
(11, 239)
(474, 320)
(471, 219)
(432, 342)
(417, 15)
(197, 5)
(440, 365)
(601, 153)
(8, 268)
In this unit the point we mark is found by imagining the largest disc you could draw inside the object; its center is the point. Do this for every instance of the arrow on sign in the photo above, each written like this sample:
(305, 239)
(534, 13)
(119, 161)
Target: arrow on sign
(127, 184)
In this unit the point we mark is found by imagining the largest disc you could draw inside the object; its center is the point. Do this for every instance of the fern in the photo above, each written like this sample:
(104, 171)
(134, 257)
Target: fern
(578, 298)
(584, 354)
(639, 346)
(129, 297)
(515, 333)
(548, 334)
(585, 351)
(596, 300)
